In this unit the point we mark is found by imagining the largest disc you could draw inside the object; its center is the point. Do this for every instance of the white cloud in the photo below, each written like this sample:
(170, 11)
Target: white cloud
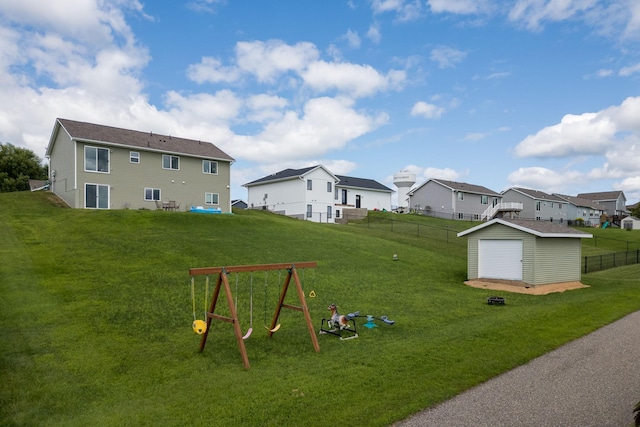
(544, 179)
(327, 124)
(532, 13)
(352, 79)
(374, 33)
(447, 57)
(462, 7)
(632, 69)
(405, 10)
(268, 60)
(588, 133)
(211, 70)
(353, 39)
(426, 110)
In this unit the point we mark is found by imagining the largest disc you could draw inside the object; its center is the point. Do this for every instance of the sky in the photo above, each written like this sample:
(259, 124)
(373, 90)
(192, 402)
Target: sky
(541, 94)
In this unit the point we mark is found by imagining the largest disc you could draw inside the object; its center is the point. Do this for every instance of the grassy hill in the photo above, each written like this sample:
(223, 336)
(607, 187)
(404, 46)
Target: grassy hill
(96, 318)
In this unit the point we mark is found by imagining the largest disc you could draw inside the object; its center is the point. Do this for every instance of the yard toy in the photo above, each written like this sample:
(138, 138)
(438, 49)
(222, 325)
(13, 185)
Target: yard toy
(266, 297)
(250, 330)
(339, 325)
(370, 318)
(199, 326)
(495, 301)
(222, 284)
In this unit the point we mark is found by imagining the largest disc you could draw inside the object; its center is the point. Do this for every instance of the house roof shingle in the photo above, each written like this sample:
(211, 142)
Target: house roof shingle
(581, 202)
(537, 195)
(90, 132)
(343, 180)
(603, 195)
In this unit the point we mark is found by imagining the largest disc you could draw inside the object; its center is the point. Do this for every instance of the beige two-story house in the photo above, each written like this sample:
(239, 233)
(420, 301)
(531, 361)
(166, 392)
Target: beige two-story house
(93, 166)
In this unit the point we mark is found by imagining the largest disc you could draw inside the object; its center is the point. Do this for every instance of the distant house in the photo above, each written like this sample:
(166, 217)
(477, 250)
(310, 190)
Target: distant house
(239, 204)
(528, 251)
(94, 166)
(614, 202)
(452, 200)
(316, 194)
(537, 205)
(585, 209)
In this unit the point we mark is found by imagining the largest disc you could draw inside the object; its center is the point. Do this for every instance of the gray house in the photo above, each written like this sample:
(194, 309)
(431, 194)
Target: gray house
(585, 209)
(452, 200)
(93, 166)
(537, 205)
(614, 202)
(532, 252)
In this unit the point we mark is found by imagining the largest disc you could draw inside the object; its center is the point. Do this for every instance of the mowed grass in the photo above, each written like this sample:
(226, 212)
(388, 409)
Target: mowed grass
(96, 319)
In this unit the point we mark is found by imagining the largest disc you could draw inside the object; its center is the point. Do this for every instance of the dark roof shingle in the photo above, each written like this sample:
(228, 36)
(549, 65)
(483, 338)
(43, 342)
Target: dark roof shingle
(91, 132)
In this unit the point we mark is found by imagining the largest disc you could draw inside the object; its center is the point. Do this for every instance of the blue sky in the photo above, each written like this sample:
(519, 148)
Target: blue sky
(543, 94)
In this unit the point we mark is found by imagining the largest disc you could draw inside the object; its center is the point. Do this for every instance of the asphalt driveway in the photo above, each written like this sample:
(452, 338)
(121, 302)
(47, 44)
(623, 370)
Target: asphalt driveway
(592, 381)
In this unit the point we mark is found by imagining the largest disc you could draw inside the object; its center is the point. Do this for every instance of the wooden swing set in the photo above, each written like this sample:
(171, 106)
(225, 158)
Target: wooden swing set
(223, 281)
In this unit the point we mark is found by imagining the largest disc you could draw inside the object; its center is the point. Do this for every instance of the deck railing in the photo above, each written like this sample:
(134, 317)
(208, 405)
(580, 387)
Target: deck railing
(502, 206)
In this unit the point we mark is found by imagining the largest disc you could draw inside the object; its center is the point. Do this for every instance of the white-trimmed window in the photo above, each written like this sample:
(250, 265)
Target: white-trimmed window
(96, 196)
(309, 184)
(152, 194)
(484, 200)
(537, 205)
(329, 187)
(210, 167)
(460, 214)
(170, 162)
(460, 195)
(309, 211)
(96, 159)
(134, 157)
(328, 212)
(211, 198)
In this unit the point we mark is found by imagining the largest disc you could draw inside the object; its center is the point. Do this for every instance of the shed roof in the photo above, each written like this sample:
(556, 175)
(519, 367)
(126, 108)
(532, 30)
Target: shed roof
(537, 228)
(108, 135)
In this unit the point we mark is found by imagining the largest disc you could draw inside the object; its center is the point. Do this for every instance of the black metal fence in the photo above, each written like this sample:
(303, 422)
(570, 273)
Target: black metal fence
(442, 233)
(595, 263)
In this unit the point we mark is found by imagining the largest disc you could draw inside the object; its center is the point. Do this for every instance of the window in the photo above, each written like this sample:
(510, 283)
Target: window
(538, 205)
(537, 218)
(344, 196)
(151, 194)
(210, 166)
(96, 159)
(134, 157)
(211, 198)
(337, 213)
(309, 211)
(460, 214)
(460, 196)
(329, 187)
(328, 212)
(484, 200)
(96, 196)
(476, 217)
(495, 201)
(309, 184)
(336, 193)
(559, 205)
(170, 162)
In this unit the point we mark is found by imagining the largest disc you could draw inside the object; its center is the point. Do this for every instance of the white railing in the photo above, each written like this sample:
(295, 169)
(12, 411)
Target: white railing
(502, 206)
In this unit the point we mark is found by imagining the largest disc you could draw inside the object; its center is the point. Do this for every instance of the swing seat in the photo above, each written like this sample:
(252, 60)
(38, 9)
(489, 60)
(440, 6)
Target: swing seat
(199, 326)
(248, 334)
(275, 329)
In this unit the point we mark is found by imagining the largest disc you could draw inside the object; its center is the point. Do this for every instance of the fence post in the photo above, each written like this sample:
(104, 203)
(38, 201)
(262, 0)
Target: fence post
(585, 264)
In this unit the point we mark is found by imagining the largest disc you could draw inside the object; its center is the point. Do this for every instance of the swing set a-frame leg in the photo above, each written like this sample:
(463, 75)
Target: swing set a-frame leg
(292, 272)
(223, 280)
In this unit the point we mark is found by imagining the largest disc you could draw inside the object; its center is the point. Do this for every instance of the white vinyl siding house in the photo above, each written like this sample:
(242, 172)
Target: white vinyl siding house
(101, 167)
(315, 194)
(532, 252)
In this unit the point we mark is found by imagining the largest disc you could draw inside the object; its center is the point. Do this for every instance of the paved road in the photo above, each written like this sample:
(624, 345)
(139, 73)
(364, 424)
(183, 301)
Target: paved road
(592, 381)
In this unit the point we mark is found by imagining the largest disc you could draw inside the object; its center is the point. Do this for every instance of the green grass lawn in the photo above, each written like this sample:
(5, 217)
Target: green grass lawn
(97, 311)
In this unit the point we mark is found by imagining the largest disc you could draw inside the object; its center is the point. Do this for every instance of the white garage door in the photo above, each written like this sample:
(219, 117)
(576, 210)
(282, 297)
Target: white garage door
(500, 259)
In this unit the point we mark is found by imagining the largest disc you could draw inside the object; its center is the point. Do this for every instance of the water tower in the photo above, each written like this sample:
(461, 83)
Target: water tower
(404, 181)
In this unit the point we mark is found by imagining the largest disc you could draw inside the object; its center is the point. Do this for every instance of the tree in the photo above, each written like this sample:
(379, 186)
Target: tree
(635, 212)
(17, 167)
